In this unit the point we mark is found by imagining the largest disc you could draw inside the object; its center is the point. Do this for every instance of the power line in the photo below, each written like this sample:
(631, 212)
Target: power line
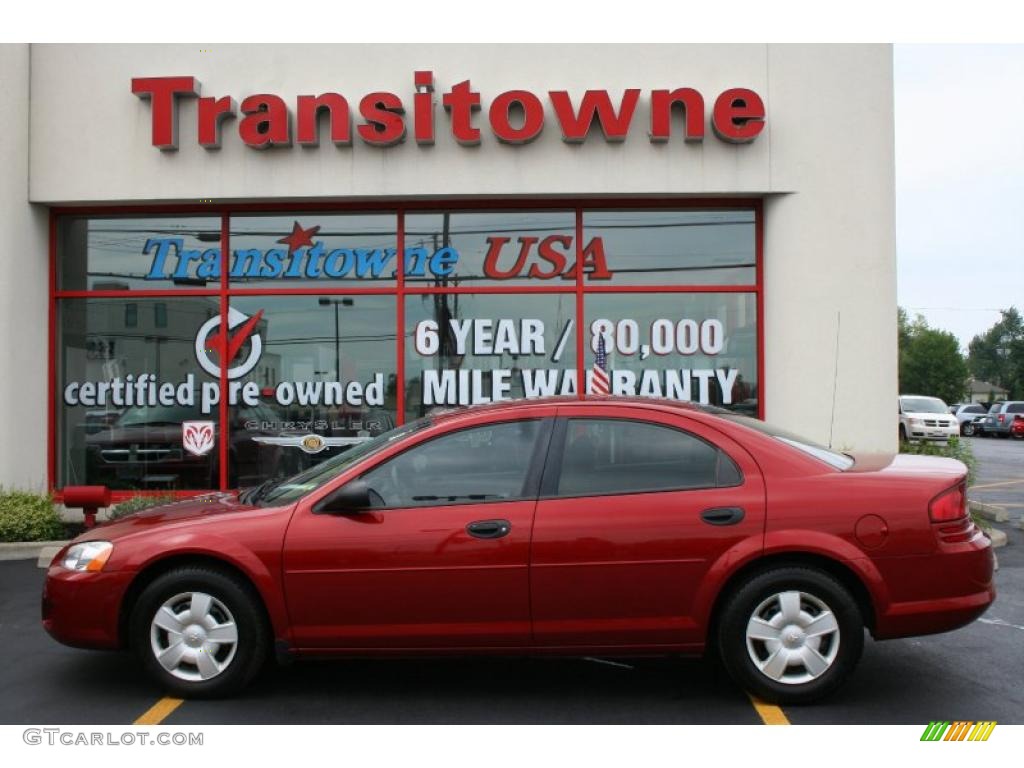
(959, 309)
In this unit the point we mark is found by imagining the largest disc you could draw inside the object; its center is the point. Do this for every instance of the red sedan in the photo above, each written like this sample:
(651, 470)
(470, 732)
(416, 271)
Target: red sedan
(613, 527)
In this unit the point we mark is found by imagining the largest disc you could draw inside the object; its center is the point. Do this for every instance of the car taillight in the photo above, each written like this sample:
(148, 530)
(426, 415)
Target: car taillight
(1002, 418)
(948, 505)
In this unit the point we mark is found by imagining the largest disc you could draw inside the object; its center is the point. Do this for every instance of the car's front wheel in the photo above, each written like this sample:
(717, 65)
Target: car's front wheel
(199, 631)
(790, 635)
(967, 429)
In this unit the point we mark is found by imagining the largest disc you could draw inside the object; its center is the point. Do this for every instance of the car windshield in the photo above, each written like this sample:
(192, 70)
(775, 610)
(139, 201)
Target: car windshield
(292, 488)
(923, 405)
(834, 459)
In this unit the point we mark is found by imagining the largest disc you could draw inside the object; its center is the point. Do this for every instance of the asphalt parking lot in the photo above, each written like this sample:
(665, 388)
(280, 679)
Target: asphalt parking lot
(971, 674)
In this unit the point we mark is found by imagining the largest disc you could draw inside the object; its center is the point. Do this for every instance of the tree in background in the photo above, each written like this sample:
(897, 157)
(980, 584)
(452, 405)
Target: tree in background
(930, 361)
(997, 355)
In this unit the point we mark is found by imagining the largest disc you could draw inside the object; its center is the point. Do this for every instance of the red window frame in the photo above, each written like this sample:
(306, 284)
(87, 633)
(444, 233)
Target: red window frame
(399, 290)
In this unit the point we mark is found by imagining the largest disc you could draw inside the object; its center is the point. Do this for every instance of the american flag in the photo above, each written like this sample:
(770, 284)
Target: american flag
(599, 373)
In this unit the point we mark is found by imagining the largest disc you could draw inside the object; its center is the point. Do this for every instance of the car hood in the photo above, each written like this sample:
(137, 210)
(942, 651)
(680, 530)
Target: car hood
(926, 415)
(186, 510)
(136, 434)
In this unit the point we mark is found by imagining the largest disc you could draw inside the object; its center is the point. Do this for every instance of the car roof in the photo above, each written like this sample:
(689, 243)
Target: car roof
(524, 405)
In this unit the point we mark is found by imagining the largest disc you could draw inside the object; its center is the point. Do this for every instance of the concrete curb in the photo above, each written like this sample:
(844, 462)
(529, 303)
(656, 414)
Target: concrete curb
(46, 554)
(998, 537)
(28, 550)
(992, 512)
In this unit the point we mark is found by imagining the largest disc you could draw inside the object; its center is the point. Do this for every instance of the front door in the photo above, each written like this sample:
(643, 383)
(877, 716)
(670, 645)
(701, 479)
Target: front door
(441, 559)
(636, 515)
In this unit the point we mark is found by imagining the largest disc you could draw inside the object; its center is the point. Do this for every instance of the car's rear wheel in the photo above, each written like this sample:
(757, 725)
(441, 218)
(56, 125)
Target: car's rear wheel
(967, 430)
(199, 631)
(791, 635)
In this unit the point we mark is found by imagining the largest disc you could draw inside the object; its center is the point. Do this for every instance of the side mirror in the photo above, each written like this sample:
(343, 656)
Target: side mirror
(351, 499)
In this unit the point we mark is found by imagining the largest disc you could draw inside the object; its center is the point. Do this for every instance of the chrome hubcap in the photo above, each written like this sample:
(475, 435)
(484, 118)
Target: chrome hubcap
(793, 637)
(194, 636)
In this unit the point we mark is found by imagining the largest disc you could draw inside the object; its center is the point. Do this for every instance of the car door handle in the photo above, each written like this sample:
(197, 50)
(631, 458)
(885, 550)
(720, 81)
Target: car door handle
(489, 529)
(722, 515)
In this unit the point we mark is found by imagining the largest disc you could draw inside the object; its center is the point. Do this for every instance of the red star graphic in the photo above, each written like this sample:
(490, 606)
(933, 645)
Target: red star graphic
(299, 237)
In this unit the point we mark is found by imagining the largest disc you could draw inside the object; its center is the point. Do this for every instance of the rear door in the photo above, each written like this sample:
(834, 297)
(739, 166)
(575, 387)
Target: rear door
(635, 508)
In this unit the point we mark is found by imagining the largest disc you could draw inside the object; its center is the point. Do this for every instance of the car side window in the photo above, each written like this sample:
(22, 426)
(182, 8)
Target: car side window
(606, 456)
(1015, 408)
(480, 464)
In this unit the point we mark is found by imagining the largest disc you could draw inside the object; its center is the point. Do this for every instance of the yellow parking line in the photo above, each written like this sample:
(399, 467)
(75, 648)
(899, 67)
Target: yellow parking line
(156, 714)
(769, 713)
(995, 485)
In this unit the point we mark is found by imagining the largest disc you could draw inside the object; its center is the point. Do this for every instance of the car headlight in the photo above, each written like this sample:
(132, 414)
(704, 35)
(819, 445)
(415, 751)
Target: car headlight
(917, 422)
(87, 556)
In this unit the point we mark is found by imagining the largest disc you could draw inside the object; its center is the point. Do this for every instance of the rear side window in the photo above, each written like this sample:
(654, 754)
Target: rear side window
(974, 409)
(606, 456)
(474, 465)
(1015, 408)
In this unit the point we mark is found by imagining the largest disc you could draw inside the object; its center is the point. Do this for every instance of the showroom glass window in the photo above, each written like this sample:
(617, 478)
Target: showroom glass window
(340, 324)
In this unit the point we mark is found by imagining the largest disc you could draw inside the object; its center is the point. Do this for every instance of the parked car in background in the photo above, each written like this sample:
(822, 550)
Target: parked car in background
(999, 420)
(614, 527)
(926, 418)
(143, 449)
(1017, 429)
(965, 414)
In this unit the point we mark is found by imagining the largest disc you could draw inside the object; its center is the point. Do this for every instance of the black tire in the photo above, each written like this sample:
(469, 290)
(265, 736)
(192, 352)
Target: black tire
(903, 434)
(967, 429)
(242, 604)
(740, 608)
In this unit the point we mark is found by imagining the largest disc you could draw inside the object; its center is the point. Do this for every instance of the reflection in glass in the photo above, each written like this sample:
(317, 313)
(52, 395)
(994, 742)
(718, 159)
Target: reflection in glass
(699, 347)
(313, 249)
(493, 247)
(469, 348)
(326, 373)
(124, 390)
(470, 466)
(126, 253)
(675, 247)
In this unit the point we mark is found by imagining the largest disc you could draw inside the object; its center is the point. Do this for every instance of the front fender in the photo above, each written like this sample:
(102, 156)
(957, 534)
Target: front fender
(259, 572)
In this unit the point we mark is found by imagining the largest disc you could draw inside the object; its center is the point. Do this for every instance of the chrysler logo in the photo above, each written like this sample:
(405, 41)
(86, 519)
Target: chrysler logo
(309, 443)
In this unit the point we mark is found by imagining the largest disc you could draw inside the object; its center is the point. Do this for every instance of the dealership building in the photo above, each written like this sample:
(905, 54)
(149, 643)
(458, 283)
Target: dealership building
(222, 264)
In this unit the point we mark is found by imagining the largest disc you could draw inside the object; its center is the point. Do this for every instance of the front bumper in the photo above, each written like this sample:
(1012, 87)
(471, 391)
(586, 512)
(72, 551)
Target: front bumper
(81, 609)
(916, 432)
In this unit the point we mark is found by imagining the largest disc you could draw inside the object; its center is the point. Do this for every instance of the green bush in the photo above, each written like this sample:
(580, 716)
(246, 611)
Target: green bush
(137, 504)
(26, 516)
(956, 449)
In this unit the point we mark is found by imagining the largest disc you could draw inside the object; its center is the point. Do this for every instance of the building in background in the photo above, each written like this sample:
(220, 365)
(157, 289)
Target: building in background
(225, 264)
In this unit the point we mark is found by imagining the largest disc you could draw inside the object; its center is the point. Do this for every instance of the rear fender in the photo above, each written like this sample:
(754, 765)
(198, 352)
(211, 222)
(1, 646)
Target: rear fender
(834, 548)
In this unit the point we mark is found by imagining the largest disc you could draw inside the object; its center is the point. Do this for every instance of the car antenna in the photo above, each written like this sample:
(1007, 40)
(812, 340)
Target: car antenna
(835, 380)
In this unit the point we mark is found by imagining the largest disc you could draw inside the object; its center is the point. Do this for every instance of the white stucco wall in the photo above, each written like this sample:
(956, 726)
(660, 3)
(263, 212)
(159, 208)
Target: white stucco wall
(824, 165)
(24, 275)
